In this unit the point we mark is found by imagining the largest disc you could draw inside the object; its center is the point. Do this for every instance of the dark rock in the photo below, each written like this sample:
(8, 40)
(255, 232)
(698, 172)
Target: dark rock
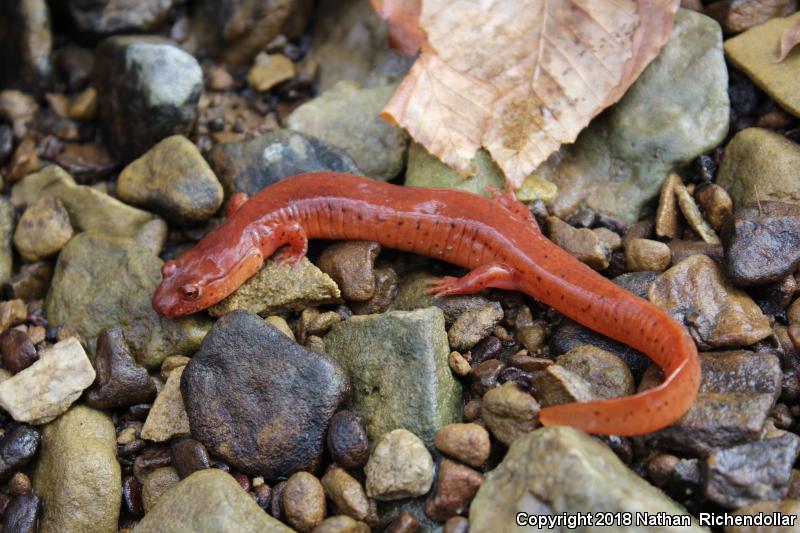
(682, 249)
(118, 16)
(26, 42)
(87, 163)
(485, 376)
(189, 456)
(18, 350)
(17, 448)
(637, 282)
(347, 440)
(148, 89)
(762, 243)
(351, 264)
(151, 459)
(384, 294)
(22, 514)
(132, 496)
(258, 400)
(249, 166)
(455, 487)
(75, 65)
(752, 472)
(120, 381)
(31, 283)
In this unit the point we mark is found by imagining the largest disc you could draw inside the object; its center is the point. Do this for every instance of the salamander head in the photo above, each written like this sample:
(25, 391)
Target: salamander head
(201, 278)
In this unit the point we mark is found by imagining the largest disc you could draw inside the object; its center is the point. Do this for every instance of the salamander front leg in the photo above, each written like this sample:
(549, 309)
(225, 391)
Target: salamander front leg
(494, 275)
(293, 235)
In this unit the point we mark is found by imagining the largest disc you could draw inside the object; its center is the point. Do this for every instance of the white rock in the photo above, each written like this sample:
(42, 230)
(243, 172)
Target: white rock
(167, 418)
(48, 387)
(400, 467)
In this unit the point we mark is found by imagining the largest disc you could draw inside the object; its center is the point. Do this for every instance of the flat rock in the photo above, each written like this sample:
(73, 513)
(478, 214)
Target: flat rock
(400, 466)
(606, 374)
(120, 381)
(174, 180)
(755, 52)
(43, 229)
(250, 165)
(717, 314)
(77, 475)
(398, 366)
(259, 400)
(208, 501)
(618, 164)
(49, 386)
(167, 417)
(426, 170)
(563, 470)
(164, 81)
(348, 117)
(279, 289)
(737, 392)
(117, 16)
(762, 243)
(103, 282)
(759, 159)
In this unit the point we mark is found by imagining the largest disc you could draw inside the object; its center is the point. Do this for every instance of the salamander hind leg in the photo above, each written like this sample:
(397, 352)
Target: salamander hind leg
(507, 199)
(493, 275)
(294, 236)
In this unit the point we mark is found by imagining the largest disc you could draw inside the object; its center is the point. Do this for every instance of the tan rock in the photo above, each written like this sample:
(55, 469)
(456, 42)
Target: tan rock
(167, 417)
(693, 215)
(469, 443)
(399, 467)
(645, 254)
(509, 412)
(583, 243)
(270, 70)
(668, 219)
(303, 501)
(43, 229)
(716, 203)
(157, 483)
(606, 374)
(347, 493)
(84, 105)
(556, 385)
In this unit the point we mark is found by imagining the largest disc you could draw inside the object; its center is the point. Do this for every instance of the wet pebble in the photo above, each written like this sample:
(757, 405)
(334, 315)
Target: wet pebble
(30, 283)
(509, 412)
(647, 255)
(12, 313)
(167, 418)
(120, 380)
(351, 265)
(22, 514)
(605, 373)
(399, 467)
(473, 325)
(18, 446)
(18, 350)
(303, 501)
(383, 296)
(347, 440)
(583, 243)
(556, 385)
(157, 483)
(455, 487)
(668, 219)
(188, 456)
(694, 217)
(43, 229)
(485, 376)
(716, 203)
(347, 494)
(269, 70)
(459, 364)
(341, 524)
(469, 443)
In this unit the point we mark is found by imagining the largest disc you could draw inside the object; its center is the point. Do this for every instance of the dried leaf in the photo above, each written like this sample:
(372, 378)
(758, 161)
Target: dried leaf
(518, 77)
(789, 39)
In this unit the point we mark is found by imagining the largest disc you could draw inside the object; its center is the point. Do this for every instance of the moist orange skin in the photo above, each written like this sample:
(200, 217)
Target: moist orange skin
(498, 240)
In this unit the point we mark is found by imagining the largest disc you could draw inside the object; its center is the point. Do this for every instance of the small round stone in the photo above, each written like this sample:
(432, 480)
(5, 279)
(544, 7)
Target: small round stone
(509, 412)
(469, 443)
(303, 501)
(458, 364)
(19, 484)
(341, 524)
(347, 493)
(347, 440)
(400, 467)
(647, 255)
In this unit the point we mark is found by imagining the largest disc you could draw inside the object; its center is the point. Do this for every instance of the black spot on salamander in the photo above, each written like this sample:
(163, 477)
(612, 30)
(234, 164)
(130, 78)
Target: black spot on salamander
(399, 222)
(360, 217)
(539, 279)
(419, 224)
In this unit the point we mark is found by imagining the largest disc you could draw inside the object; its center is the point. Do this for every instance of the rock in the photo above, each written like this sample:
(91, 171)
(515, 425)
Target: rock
(24, 160)
(788, 508)
(647, 255)
(30, 283)
(347, 440)
(509, 412)
(605, 373)
(762, 243)
(716, 203)
(737, 392)
(120, 381)
(459, 364)
(167, 418)
(17, 447)
(189, 456)
(347, 117)
(48, 387)
(114, 16)
(716, 313)
(351, 265)
(163, 80)
(12, 313)
(739, 15)
(341, 524)
(748, 473)
(247, 381)
(469, 443)
(174, 180)
(455, 487)
(618, 164)
(406, 522)
(303, 501)
(385, 283)
(668, 219)
(397, 362)
(87, 162)
(26, 42)
(693, 216)
(249, 166)
(18, 350)
(473, 325)
(556, 385)
(755, 53)
(115, 278)
(29, 189)
(350, 42)
(43, 229)
(412, 293)
(682, 250)
(426, 170)
(84, 105)
(18, 108)
(6, 232)
(77, 475)
(156, 484)
(400, 467)
(209, 501)
(347, 493)
(22, 514)
(270, 70)
(278, 289)
(583, 243)
(563, 470)
(235, 31)
(759, 159)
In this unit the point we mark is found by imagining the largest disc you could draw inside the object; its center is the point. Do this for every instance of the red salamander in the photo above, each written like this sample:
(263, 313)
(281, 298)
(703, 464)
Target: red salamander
(497, 240)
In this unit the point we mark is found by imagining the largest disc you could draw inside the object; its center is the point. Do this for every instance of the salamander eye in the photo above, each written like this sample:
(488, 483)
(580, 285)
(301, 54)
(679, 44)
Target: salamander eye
(169, 268)
(191, 291)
